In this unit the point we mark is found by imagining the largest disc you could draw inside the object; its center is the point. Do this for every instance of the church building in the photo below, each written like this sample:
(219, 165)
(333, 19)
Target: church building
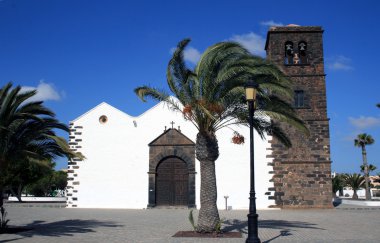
(149, 161)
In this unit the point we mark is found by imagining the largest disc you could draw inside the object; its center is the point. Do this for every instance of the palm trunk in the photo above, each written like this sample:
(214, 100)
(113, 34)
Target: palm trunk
(207, 151)
(355, 196)
(17, 193)
(1, 196)
(367, 189)
(2, 171)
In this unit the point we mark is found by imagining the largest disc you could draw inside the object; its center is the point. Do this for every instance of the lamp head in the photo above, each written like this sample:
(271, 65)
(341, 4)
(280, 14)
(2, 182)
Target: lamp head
(250, 90)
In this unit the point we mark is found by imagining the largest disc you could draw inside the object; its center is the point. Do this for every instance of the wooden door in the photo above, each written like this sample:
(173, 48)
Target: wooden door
(172, 183)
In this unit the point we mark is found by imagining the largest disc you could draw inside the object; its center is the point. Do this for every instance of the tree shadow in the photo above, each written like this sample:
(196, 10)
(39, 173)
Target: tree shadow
(337, 202)
(61, 228)
(284, 226)
(282, 233)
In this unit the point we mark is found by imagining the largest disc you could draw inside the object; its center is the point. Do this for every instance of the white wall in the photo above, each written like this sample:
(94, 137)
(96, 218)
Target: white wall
(233, 170)
(350, 192)
(114, 174)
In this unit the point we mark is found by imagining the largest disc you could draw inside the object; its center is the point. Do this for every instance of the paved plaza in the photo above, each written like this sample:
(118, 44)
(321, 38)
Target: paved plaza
(54, 224)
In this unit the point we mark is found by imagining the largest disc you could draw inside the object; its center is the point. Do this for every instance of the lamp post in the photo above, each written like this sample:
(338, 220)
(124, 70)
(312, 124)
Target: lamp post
(250, 96)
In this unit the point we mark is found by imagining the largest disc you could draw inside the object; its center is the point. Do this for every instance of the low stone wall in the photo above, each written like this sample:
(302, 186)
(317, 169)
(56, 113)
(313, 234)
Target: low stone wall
(38, 199)
(360, 202)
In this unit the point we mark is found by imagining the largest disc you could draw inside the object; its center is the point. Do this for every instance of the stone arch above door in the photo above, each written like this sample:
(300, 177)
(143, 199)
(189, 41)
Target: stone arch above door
(171, 144)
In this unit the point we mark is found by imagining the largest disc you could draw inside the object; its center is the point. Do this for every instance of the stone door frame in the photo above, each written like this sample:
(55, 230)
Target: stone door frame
(185, 153)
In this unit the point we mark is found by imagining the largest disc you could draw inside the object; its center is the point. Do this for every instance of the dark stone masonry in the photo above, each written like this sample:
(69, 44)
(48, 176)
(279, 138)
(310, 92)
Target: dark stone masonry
(73, 165)
(302, 174)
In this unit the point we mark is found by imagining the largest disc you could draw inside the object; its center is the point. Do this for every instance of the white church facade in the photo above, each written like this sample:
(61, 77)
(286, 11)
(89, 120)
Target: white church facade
(149, 161)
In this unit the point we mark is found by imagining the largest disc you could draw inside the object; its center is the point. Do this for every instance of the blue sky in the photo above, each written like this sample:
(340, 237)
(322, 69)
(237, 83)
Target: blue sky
(80, 53)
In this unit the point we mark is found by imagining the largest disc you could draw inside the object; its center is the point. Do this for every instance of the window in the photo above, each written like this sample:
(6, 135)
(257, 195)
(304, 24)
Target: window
(299, 98)
(103, 119)
(296, 55)
(302, 51)
(289, 53)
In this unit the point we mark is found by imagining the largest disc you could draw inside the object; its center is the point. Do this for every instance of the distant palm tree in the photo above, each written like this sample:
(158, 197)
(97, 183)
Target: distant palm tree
(371, 167)
(337, 183)
(27, 131)
(361, 141)
(355, 181)
(212, 97)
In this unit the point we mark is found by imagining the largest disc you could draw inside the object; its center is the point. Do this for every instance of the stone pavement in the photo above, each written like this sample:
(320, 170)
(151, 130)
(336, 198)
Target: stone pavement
(51, 223)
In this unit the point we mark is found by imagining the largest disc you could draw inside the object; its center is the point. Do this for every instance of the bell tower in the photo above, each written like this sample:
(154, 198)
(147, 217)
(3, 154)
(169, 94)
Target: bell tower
(302, 173)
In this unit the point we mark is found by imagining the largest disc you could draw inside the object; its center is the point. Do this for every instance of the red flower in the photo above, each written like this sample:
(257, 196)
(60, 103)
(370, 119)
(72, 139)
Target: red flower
(238, 138)
(187, 112)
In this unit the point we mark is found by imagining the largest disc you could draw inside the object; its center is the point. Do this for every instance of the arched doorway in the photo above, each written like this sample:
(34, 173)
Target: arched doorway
(171, 174)
(172, 183)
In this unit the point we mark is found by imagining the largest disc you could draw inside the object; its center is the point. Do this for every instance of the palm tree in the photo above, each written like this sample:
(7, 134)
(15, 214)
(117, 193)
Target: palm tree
(27, 131)
(355, 181)
(378, 105)
(361, 141)
(212, 97)
(337, 183)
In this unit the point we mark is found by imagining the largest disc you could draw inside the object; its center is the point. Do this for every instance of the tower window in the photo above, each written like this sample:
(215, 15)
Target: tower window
(289, 53)
(299, 99)
(302, 52)
(296, 55)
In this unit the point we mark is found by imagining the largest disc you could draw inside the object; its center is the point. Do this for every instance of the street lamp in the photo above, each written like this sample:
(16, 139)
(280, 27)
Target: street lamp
(250, 96)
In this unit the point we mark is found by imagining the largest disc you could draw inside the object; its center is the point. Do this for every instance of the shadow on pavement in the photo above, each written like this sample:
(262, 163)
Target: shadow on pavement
(282, 233)
(337, 202)
(62, 228)
(3, 241)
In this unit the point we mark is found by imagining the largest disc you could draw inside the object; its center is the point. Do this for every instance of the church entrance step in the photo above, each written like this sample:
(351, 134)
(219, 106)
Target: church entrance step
(170, 207)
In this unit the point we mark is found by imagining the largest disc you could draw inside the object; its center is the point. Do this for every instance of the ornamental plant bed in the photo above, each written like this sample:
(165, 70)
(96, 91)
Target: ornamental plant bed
(207, 235)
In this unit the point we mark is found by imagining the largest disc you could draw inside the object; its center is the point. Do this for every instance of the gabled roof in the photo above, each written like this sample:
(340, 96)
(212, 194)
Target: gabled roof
(171, 137)
(129, 116)
(161, 103)
(103, 104)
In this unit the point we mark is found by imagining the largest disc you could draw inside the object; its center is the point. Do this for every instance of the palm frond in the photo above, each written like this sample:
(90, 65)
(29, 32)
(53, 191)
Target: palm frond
(144, 92)
(27, 129)
(276, 131)
(363, 139)
(214, 91)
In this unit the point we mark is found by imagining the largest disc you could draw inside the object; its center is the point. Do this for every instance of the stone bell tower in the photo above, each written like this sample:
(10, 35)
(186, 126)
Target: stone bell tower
(302, 173)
